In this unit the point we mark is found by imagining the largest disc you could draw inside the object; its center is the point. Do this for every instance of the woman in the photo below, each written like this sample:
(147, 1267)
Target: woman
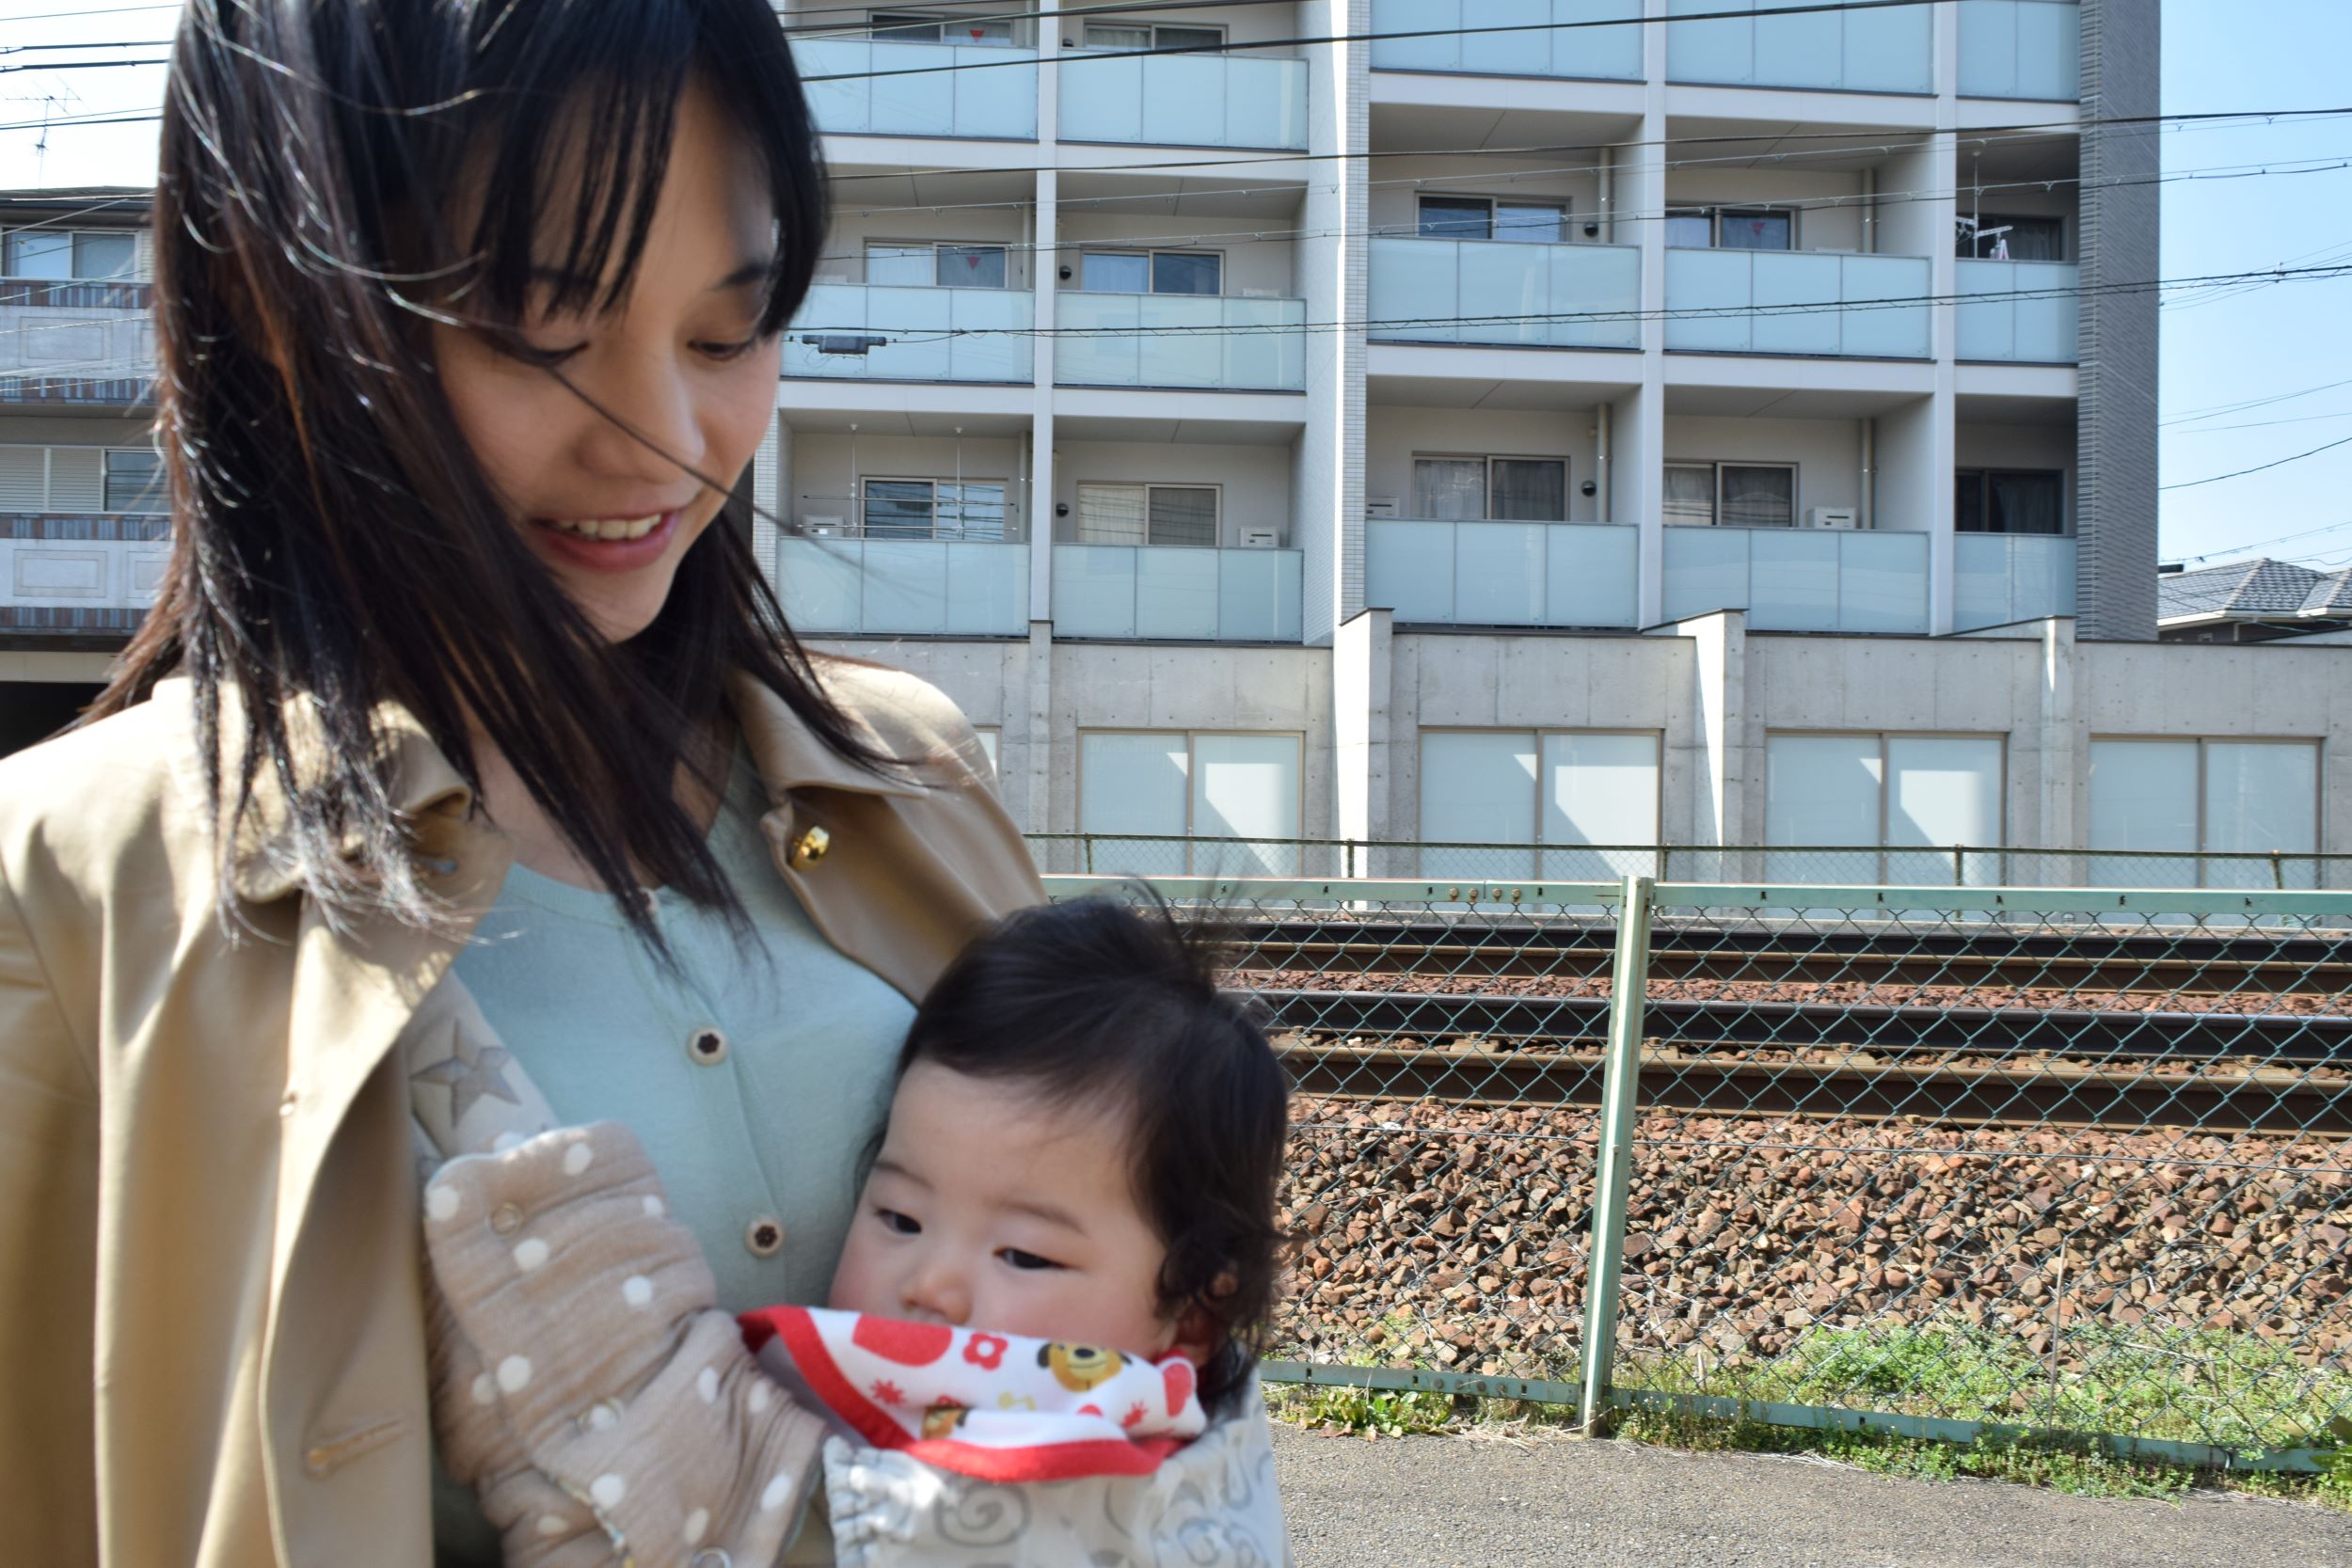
(468, 318)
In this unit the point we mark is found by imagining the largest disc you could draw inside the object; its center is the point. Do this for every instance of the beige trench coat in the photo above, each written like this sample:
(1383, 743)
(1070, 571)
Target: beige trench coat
(211, 1342)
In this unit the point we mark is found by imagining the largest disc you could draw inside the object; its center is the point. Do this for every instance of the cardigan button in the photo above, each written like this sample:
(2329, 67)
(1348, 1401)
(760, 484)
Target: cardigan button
(706, 1046)
(810, 846)
(764, 1236)
(505, 1219)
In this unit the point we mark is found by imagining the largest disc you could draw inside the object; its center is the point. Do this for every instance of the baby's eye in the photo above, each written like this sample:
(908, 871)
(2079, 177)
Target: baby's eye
(905, 1225)
(1021, 1260)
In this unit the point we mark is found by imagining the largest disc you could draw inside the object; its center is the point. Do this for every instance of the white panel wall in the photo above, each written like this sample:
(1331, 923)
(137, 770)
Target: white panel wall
(1394, 435)
(845, 248)
(1249, 263)
(817, 480)
(1827, 452)
(1821, 224)
(1398, 182)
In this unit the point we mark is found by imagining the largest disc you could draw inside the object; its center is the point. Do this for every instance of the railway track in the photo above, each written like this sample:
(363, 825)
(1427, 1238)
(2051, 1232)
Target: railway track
(2185, 962)
(2256, 1072)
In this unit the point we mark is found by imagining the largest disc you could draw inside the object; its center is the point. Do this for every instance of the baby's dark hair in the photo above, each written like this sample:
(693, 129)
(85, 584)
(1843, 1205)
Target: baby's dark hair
(1099, 1001)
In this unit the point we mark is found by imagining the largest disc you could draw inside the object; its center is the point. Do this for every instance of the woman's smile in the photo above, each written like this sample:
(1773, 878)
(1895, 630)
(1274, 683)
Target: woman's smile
(607, 545)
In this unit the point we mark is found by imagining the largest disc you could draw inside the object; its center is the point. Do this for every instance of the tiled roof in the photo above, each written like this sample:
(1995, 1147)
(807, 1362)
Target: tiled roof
(2249, 588)
(2331, 595)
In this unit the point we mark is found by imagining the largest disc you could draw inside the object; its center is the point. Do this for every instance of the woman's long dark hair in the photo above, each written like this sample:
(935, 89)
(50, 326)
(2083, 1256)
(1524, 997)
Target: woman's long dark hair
(334, 543)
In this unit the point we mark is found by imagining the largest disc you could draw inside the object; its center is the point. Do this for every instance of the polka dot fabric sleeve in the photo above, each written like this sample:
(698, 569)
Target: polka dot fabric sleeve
(583, 1381)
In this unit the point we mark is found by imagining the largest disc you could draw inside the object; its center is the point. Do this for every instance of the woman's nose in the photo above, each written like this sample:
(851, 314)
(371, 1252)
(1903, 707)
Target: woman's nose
(655, 429)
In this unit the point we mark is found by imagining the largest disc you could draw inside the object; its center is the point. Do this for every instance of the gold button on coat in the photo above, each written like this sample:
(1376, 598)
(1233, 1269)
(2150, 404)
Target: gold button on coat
(809, 846)
(506, 1219)
(707, 1046)
(764, 1236)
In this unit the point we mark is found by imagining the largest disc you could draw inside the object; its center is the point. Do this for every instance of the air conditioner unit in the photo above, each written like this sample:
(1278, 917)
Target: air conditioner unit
(822, 527)
(1832, 516)
(1261, 539)
(1380, 506)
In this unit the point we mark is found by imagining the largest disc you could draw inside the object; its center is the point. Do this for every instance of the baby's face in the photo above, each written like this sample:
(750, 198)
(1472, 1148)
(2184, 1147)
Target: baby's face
(989, 1209)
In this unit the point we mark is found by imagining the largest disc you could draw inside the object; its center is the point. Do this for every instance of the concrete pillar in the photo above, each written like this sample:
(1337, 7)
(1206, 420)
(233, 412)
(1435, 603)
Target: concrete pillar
(1044, 269)
(1723, 812)
(1034, 813)
(1360, 650)
(2063, 763)
(2115, 427)
(1327, 466)
(1640, 428)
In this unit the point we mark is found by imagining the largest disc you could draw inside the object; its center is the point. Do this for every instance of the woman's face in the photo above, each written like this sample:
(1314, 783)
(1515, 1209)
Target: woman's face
(678, 363)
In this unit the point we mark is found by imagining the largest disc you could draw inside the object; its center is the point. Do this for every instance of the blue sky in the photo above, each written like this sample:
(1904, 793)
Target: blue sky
(2220, 348)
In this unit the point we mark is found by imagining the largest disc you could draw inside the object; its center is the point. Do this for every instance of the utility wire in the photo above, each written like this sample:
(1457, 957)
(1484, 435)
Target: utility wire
(2258, 467)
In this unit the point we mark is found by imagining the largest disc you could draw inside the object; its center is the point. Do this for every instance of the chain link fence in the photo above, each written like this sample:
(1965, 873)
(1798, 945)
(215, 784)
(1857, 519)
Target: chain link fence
(1947, 866)
(1930, 1158)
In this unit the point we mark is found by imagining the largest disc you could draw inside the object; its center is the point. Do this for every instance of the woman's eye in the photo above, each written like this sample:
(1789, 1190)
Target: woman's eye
(1021, 1260)
(531, 353)
(725, 351)
(905, 1225)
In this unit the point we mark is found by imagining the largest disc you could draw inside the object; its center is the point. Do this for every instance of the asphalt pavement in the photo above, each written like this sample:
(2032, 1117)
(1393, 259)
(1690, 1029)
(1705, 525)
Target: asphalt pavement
(1479, 1502)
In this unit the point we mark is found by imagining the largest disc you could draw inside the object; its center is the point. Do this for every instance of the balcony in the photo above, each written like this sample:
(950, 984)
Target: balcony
(2018, 311)
(1798, 302)
(1504, 291)
(1496, 573)
(925, 329)
(885, 87)
(2001, 578)
(1211, 340)
(1159, 593)
(2020, 49)
(1800, 579)
(1205, 99)
(1611, 54)
(76, 293)
(80, 573)
(903, 587)
(1889, 50)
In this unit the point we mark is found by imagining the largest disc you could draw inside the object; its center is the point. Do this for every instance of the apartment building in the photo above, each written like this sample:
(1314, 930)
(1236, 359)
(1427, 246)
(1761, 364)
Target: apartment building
(1553, 422)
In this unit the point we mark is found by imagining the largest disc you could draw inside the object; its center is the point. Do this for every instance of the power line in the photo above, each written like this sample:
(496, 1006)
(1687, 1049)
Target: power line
(2259, 544)
(2218, 410)
(2239, 473)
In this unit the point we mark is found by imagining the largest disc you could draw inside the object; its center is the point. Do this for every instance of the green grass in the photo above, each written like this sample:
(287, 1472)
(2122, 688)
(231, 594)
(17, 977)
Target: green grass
(2235, 1391)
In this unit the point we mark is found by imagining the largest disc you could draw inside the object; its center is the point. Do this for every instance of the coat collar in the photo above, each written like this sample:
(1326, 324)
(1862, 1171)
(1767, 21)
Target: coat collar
(426, 789)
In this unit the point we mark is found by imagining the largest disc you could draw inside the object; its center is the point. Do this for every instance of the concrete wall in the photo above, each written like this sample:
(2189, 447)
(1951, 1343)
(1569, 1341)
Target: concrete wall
(1827, 452)
(1254, 482)
(1400, 182)
(1823, 223)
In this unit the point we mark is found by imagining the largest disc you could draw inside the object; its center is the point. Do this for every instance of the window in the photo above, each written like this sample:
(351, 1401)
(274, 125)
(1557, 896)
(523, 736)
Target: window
(933, 509)
(1504, 490)
(2255, 798)
(1730, 229)
(1988, 237)
(59, 254)
(1585, 803)
(1151, 272)
(920, 27)
(1179, 514)
(134, 481)
(925, 265)
(988, 736)
(1734, 495)
(1998, 500)
(1149, 35)
(1179, 784)
(1478, 217)
(1829, 799)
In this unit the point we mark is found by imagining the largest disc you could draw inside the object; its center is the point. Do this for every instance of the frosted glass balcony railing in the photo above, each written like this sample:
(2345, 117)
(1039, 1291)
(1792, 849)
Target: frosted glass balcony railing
(1493, 574)
(1886, 49)
(935, 333)
(1800, 579)
(887, 87)
(1607, 53)
(1798, 302)
(1203, 100)
(1157, 591)
(2001, 578)
(2022, 310)
(1505, 291)
(1218, 341)
(903, 587)
(2020, 49)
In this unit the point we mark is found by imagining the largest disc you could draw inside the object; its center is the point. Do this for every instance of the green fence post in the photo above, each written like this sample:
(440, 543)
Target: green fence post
(1621, 1087)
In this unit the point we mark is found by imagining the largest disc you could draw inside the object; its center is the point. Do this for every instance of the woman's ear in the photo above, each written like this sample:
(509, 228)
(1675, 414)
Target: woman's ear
(1200, 1329)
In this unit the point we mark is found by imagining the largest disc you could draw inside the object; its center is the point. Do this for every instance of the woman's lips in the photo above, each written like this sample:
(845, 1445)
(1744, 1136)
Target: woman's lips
(569, 541)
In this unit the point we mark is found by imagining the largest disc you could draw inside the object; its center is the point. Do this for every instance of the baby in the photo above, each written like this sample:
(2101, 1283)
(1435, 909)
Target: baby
(1081, 1157)
(1057, 1272)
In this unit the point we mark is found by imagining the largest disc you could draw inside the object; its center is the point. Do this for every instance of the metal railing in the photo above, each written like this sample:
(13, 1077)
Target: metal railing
(1946, 1162)
(1950, 865)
